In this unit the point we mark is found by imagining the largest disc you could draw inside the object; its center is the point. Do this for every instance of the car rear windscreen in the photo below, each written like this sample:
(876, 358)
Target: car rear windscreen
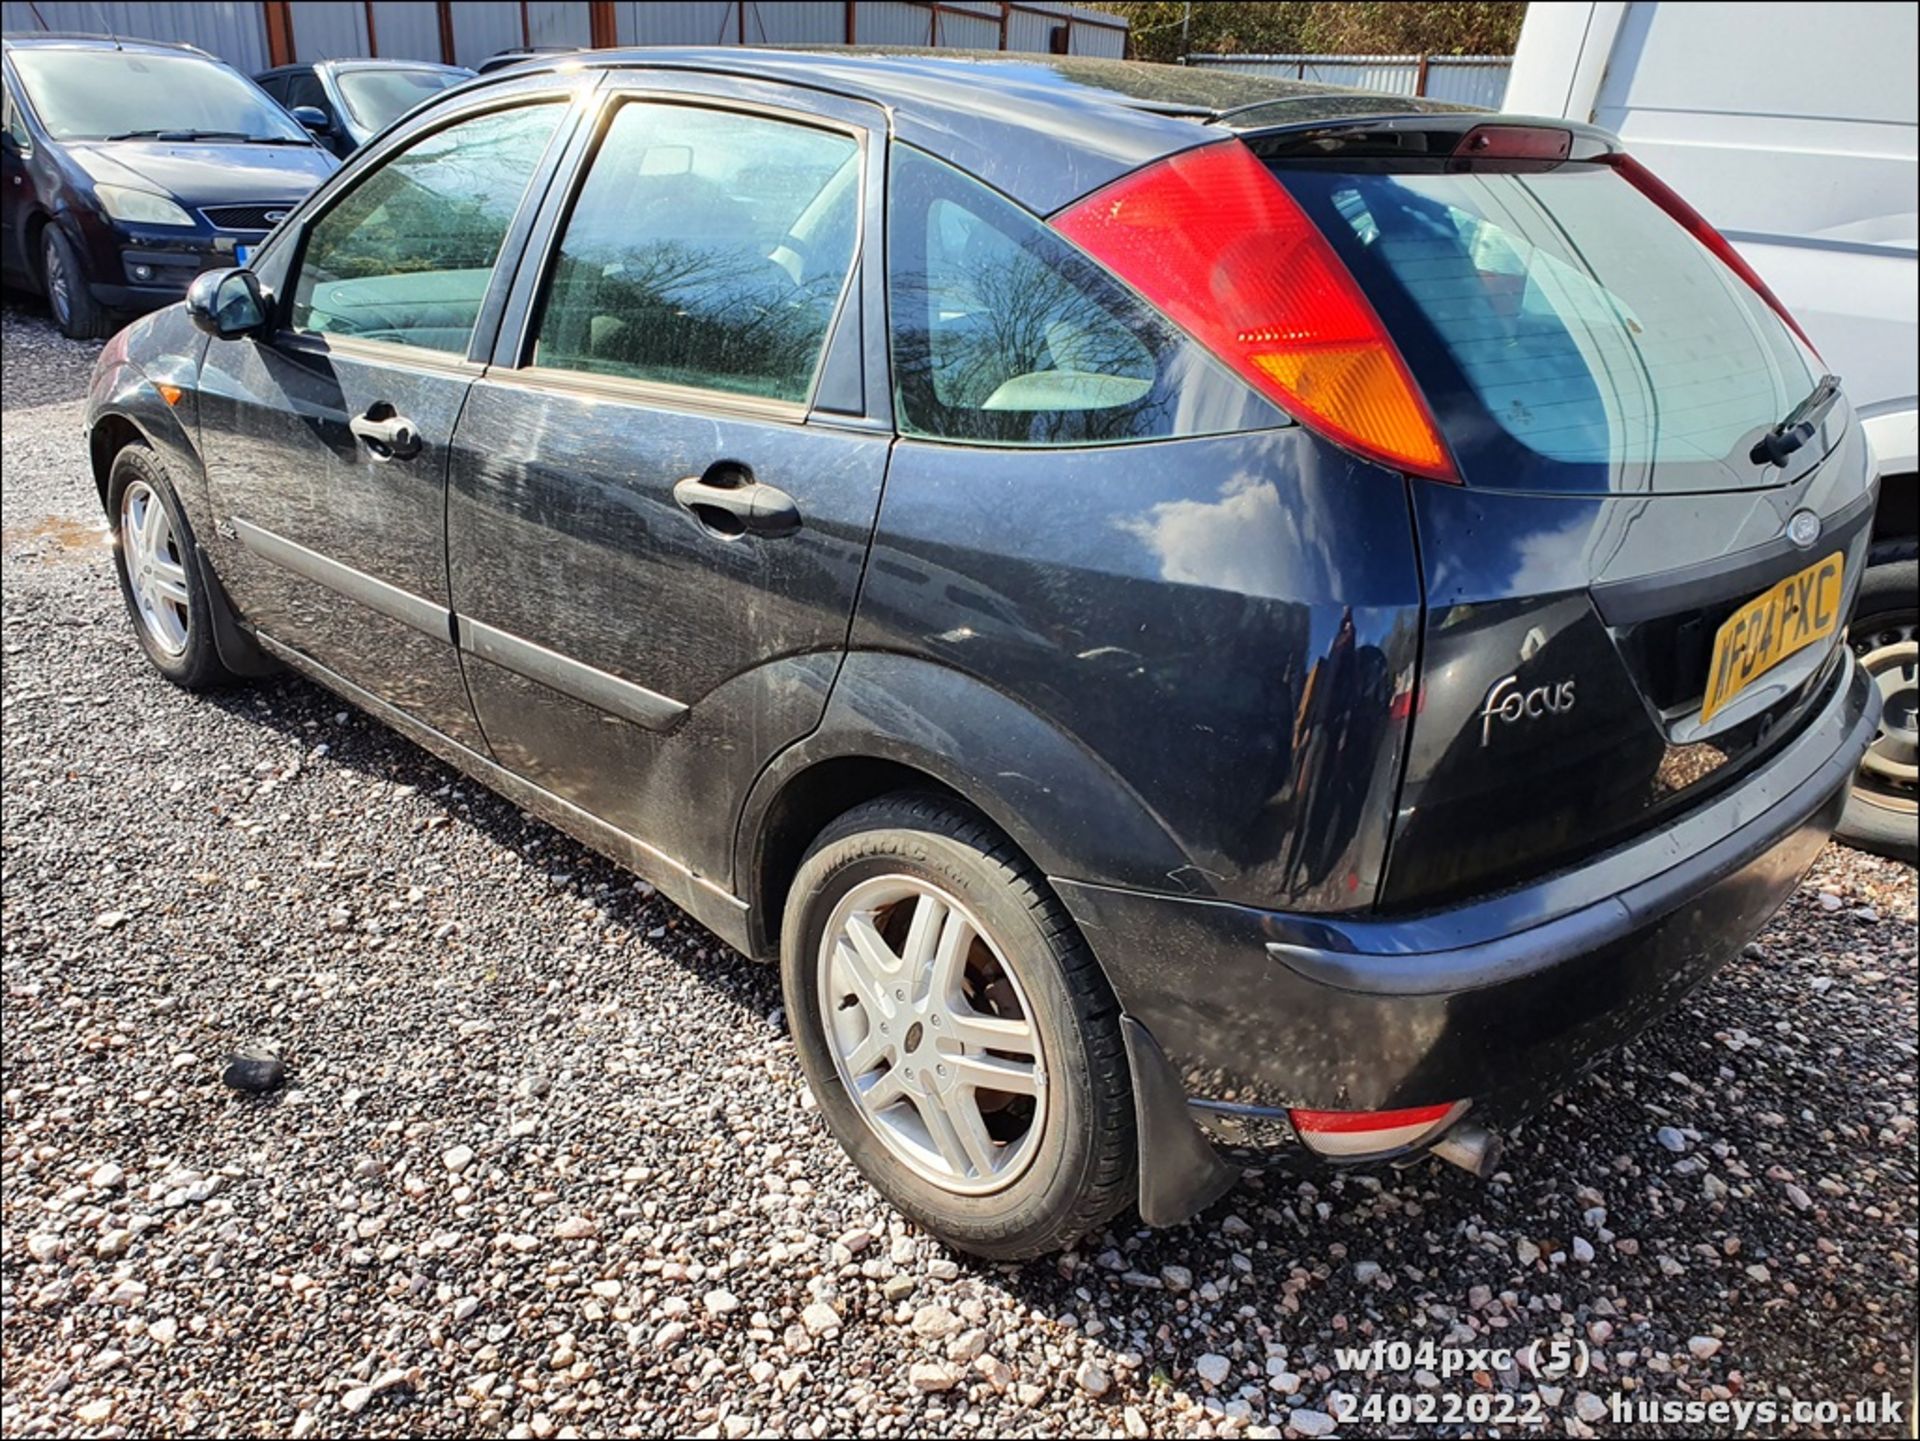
(1568, 333)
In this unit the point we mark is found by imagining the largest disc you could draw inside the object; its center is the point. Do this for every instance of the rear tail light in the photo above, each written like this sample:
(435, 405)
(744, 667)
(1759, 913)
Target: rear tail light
(1696, 225)
(1215, 242)
(1353, 1134)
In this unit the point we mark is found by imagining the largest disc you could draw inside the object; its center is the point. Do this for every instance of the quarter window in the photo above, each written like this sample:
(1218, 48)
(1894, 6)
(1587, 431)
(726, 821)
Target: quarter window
(407, 255)
(1003, 333)
(707, 249)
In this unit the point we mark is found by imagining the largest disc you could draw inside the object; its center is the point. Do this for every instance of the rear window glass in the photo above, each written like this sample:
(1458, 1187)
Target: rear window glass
(1005, 334)
(1569, 333)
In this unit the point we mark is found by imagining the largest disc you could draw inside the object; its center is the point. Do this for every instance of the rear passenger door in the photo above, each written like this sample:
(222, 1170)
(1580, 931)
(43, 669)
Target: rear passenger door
(663, 488)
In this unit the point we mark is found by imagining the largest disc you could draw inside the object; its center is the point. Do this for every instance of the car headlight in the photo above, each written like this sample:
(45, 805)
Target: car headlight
(142, 207)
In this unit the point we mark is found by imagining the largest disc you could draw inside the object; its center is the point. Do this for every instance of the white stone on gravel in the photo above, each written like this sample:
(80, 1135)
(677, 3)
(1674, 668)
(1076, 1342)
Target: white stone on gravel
(1213, 1368)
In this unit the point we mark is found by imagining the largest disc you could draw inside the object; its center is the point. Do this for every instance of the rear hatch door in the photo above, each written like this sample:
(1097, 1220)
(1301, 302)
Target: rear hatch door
(1606, 384)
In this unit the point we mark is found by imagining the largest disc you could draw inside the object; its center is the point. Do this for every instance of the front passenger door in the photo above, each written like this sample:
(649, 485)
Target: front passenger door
(326, 442)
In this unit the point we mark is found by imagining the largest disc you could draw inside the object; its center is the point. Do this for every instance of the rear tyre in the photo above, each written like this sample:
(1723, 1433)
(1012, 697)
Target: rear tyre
(153, 553)
(959, 1037)
(1882, 815)
(66, 284)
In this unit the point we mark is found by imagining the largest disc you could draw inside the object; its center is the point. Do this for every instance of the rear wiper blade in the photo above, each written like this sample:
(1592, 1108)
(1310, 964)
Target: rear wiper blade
(1800, 426)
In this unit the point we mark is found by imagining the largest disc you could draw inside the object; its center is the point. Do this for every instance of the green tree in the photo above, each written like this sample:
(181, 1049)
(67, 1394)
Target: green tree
(1317, 27)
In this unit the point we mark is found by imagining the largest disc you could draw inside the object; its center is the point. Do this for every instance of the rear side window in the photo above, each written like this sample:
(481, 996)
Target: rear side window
(406, 256)
(1003, 333)
(1569, 334)
(706, 249)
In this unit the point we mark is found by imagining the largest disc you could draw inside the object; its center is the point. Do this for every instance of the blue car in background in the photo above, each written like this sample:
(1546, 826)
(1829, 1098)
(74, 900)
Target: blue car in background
(356, 99)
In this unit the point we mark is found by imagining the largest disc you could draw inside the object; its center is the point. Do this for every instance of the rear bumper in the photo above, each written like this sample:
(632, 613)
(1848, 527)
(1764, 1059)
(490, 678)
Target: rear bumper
(1499, 1001)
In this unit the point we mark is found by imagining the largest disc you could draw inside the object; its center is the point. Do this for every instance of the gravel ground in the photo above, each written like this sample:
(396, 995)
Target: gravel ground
(544, 1165)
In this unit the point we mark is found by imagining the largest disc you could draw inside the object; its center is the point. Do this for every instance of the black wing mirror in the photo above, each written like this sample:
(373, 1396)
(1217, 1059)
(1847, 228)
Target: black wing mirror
(313, 118)
(227, 303)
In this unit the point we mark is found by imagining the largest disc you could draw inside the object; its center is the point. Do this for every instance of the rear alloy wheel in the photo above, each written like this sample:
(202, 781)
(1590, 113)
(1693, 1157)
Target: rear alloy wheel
(1883, 813)
(959, 1037)
(929, 1031)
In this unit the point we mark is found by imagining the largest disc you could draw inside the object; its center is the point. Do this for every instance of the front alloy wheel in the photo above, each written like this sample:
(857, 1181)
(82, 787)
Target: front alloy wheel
(156, 568)
(171, 607)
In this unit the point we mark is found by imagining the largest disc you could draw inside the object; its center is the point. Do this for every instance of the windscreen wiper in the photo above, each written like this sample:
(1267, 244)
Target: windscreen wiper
(241, 135)
(1800, 426)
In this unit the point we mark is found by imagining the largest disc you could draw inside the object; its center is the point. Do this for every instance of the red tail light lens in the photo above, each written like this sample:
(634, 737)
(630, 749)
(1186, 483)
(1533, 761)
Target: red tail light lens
(1219, 246)
(1696, 225)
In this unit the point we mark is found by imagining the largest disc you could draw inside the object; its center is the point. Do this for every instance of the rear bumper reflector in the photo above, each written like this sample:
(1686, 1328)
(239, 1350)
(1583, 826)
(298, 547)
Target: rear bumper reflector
(1373, 1133)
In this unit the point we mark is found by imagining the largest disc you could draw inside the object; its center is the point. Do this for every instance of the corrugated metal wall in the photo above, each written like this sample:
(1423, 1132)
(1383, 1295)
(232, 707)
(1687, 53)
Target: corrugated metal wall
(329, 29)
(1463, 79)
(235, 30)
(407, 29)
(480, 30)
(552, 22)
(692, 22)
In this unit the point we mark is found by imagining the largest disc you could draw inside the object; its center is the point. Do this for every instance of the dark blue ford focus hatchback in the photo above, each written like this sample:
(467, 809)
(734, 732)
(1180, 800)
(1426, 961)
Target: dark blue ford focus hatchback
(1198, 618)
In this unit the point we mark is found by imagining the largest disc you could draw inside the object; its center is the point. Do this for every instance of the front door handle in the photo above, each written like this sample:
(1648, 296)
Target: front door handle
(729, 502)
(386, 435)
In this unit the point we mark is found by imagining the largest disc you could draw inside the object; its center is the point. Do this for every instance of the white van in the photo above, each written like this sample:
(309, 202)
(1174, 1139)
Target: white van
(1793, 129)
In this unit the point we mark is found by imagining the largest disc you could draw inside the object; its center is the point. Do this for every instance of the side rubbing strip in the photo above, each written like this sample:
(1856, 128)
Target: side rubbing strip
(356, 585)
(571, 677)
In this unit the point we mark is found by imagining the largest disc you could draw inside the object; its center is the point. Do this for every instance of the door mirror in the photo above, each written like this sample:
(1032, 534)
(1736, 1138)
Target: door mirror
(313, 118)
(227, 303)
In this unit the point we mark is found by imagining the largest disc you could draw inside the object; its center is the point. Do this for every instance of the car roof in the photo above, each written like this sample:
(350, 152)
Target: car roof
(383, 62)
(82, 40)
(1044, 129)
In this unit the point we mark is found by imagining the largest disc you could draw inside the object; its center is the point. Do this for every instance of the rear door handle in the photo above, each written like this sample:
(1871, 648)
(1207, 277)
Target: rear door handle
(729, 502)
(386, 435)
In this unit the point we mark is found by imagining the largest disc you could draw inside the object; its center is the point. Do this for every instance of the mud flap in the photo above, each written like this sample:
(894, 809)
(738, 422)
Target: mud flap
(238, 652)
(1180, 1172)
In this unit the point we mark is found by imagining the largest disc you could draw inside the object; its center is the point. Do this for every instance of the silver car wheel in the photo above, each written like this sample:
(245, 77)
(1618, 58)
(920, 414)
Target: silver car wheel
(932, 1035)
(156, 568)
(58, 283)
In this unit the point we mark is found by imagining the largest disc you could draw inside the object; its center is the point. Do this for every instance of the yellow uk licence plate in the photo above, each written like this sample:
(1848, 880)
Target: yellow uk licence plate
(1789, 617)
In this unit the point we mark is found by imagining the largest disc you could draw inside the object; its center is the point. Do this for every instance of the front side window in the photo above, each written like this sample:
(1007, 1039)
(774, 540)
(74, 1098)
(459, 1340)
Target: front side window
(85, 94)
(1003, 333)
(406, 256)
(705, 249)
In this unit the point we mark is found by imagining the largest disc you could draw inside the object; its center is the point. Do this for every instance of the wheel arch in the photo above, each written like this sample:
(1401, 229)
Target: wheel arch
(125, 407)
(1896, 514)
(31, 230)
(898, 722)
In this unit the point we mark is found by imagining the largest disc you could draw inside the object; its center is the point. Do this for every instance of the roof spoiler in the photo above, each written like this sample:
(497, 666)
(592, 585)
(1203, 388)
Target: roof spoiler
(1459, 138)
